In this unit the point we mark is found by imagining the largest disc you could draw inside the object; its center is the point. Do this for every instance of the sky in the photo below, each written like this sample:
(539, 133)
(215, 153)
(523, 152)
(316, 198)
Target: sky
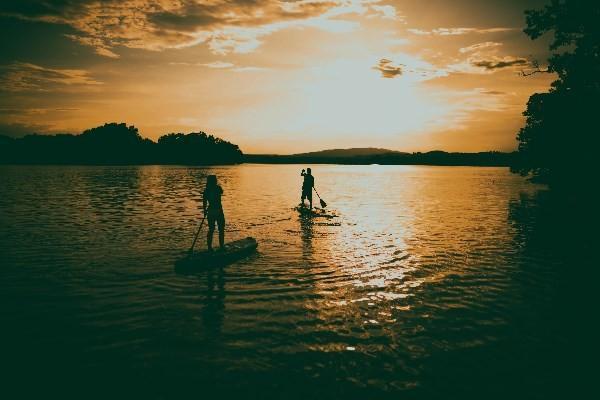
(274, 76)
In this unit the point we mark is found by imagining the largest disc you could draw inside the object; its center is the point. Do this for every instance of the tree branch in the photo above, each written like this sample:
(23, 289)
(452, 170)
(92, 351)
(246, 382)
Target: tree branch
(535, 71)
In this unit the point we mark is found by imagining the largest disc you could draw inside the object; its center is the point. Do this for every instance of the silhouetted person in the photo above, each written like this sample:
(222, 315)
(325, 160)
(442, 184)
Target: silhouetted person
(214, 213)
(307, 186)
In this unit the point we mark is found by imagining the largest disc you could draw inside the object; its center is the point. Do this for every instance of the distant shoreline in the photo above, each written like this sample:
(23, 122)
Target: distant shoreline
(295, 162)
(433, 158)
(118, 144)
(437, 158)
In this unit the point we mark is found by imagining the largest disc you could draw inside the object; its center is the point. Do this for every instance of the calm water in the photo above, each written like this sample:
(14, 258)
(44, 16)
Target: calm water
(429, 282)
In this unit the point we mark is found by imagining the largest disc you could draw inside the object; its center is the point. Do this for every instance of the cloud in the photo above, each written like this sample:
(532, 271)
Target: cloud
(412, 69)
(16, 129)
(499, 63)
(388, 69)
(218, 64)
(221, 65)
(21, 76)
(479, 47)
(385, 11)
(98, 44)
(457, 31)
(22, 111)
(494, 92)
(484, 58)
(249, 69)
(225, 25)
(393, 41)
(486, 64)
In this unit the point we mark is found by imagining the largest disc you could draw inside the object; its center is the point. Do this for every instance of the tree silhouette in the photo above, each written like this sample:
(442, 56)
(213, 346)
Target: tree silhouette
(115, 144)
(197, 148)
(118, 144)
(560, 137)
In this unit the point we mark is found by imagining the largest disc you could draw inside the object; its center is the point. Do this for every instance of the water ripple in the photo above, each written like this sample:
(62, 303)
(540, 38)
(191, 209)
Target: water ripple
(410, 264)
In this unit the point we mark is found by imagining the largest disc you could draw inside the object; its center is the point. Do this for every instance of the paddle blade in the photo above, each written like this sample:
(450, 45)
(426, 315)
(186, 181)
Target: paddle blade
(323, 204)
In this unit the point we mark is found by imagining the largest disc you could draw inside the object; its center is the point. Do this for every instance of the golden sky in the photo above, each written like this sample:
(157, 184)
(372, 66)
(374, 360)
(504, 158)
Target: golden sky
(274, 76)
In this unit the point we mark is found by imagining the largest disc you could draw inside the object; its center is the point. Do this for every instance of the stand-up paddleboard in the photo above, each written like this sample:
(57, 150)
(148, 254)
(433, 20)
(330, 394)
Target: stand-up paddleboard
(232, 252)
(315, 212)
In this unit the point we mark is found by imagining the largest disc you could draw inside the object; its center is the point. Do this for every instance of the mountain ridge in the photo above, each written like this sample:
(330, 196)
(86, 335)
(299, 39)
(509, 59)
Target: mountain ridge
(348, 152)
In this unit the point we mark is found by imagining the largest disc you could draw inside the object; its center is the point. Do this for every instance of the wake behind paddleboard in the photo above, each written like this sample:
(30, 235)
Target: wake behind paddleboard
(233, 251)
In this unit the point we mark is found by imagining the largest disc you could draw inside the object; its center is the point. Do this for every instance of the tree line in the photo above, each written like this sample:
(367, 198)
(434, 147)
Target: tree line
(115, 143)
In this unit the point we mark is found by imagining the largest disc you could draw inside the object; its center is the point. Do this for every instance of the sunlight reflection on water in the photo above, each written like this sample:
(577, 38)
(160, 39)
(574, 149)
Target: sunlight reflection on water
(411, 256)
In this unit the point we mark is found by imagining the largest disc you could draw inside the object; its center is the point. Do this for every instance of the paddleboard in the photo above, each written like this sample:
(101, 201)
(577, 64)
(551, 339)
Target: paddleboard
(315, 212)
(232, 252)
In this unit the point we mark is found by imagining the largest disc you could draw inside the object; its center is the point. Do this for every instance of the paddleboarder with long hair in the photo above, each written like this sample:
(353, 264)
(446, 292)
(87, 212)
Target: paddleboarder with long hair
(213, 210)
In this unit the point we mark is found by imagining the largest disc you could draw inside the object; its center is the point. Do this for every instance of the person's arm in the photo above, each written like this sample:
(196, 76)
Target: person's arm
(204, 202)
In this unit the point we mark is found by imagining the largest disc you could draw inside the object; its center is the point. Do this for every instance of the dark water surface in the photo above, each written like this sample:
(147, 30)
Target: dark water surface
(428, 282)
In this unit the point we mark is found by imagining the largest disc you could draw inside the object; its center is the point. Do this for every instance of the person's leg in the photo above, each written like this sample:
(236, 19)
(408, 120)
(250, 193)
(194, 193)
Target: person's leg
(310, 199)
(221, 224)
(305, 195)
(211, 230)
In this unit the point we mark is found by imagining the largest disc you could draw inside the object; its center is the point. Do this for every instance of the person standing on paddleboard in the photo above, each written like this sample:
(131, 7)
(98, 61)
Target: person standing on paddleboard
(214, 212)
(307, 186)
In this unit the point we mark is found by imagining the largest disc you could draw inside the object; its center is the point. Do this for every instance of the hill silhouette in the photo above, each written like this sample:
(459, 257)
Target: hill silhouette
(366, 156)
(351, 152)
(116, 144)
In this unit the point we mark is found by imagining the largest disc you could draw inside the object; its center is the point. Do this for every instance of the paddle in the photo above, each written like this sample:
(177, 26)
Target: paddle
(323, 204)
(197, 233)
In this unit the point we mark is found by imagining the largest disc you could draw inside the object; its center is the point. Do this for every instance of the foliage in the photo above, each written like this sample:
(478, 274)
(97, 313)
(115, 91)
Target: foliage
(558, 142)
(196, 148)
(118, 144)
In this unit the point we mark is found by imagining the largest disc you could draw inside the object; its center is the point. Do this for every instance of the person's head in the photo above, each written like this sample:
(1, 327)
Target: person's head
(211, 181)
(308, 171)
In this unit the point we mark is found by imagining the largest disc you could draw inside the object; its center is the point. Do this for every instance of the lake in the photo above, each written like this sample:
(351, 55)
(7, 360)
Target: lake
(426, 282)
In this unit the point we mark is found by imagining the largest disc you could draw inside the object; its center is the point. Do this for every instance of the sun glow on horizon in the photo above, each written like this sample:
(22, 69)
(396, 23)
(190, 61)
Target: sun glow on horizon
(279, 77)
